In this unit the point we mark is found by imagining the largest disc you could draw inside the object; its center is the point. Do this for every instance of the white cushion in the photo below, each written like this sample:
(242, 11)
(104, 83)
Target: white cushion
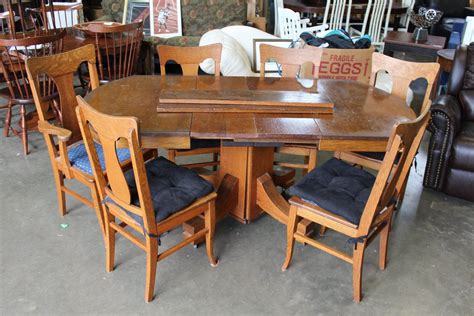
(245, 35)
(234, 59)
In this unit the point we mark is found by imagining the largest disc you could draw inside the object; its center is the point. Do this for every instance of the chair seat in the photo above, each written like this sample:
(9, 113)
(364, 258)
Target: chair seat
(78, 157)
(172, 188)
(337, 187)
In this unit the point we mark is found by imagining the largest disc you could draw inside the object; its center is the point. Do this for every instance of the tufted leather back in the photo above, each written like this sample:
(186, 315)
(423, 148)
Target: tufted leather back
(461, 80)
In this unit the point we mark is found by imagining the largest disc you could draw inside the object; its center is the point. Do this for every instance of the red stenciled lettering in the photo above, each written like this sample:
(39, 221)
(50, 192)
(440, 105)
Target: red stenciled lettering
(334, 68)
(323, 67)
(346, 68)
(356, 68)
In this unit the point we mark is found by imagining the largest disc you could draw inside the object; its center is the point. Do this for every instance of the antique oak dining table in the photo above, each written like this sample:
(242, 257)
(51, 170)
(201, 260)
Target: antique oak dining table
(362, 120)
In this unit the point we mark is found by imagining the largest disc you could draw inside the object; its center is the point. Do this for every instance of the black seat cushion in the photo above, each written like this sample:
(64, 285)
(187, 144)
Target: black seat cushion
(337, 187)
(172, 188)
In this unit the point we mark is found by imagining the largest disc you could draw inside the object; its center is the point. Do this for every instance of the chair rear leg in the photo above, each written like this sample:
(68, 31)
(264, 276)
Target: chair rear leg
(98, 209)
(358, 260)
(210, 222)
(215, 158)
(59, 180)
(172, 155)
(290, 238)
(24, 130)
(8, 120)
(383, 246)
(151, 262)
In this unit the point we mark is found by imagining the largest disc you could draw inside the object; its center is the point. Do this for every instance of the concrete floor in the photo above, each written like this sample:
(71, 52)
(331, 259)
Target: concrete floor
(49, 269)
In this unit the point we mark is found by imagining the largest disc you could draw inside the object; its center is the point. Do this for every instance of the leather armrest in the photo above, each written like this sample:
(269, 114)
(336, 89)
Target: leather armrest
(446, 110)
(444, 125)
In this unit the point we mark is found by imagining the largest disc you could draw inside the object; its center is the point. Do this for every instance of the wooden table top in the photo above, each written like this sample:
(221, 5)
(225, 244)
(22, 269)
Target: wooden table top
(360, 111)
(405, 38)
(447, 54)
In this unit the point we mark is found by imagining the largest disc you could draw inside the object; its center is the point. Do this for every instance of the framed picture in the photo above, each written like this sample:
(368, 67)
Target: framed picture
(165, 18)
(269, 66)
(136, 10)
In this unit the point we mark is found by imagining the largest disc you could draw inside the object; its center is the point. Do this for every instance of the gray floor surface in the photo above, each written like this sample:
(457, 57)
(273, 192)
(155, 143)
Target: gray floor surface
(47, 268)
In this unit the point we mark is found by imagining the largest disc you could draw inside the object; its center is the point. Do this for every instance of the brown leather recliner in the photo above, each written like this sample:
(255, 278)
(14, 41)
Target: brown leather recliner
(450, 165)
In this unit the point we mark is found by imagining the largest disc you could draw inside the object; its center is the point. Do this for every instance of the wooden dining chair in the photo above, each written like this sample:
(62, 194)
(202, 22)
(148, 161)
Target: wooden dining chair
(402, 74)
(117, 49)
(68, 154)
(56, 15)
(14, 52)
(354, 202)
(291, 61)
(151, 199)
(189, 59)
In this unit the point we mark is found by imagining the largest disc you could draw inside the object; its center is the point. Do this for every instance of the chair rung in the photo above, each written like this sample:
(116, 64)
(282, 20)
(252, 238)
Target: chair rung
(291, 165)
(324, 247)
(201, 164)
(185, 242)
(78, 196)
(128, 235)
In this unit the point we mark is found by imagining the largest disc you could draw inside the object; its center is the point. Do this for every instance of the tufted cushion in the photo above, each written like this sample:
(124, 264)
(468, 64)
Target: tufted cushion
(337, 187)
(78, 157)
(172, 188)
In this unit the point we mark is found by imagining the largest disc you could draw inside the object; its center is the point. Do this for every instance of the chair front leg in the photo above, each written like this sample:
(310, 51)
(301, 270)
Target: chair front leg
(358, 260)
(290, 240)
(210, 222)
(151, 262)
(59, 181)
(24, 130)
(110, 241)
(383, 246)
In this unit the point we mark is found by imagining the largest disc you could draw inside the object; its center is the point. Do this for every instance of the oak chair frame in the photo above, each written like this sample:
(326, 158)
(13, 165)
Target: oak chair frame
(189, 59)
(14, 52)
(61, 68)
(377, 214)
(115, 193)
(117, 49)
(291, 61)
(403, 73)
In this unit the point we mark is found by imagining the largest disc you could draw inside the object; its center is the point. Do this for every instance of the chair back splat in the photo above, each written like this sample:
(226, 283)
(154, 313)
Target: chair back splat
(290, 59)
(117, 48)
(403, 73)
(190, 57)
(61, 69)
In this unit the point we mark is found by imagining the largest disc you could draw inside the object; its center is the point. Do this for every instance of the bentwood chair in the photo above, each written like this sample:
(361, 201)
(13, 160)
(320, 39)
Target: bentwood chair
(402, 74)
(14, 52)
(117, 49)
(353, 202)
(291, 62)
(189, 59)
(151, 199)
(68, 154)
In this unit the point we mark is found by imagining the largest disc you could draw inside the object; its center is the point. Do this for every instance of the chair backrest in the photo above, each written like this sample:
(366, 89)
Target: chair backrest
(404, 142)
(57, 15)
(112, 132)
(16, 51)
(190, 57)
(403, 73)
(61, 69)
(290, 59)
(377, 26)
(337, 14)
(277, 5)
(117, 48)
(9, 14)
(5, 22)
(289, 23)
